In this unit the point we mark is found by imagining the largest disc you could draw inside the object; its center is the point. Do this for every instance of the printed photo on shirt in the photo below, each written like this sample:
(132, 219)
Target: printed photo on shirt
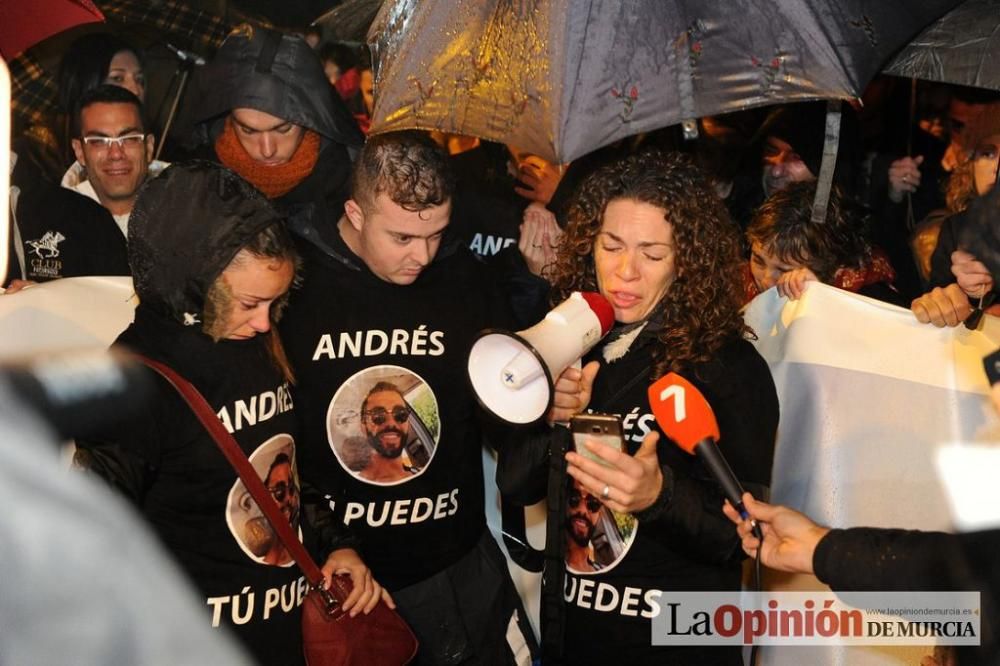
(274, 461)
(597, 538)
(383, 425)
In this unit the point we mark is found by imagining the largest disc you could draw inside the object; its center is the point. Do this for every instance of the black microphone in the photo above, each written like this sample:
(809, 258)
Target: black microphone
(78, 394)
(685, 416)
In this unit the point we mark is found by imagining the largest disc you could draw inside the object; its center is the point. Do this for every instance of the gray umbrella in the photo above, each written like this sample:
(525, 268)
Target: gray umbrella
(563, 77)
(961, 47)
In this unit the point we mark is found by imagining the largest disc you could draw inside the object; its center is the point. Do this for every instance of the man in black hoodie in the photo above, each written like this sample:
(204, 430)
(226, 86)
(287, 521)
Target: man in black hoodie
(267, 112)
(391, 296)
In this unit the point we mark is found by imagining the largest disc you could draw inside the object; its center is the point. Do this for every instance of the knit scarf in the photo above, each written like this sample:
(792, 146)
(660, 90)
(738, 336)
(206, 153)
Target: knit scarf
(273, 181)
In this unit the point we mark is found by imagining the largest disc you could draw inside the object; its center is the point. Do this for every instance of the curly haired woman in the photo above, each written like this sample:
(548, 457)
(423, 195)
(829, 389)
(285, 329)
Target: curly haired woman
(649, 234)
(956, 279)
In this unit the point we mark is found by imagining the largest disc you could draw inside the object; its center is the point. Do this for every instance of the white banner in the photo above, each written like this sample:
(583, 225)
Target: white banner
(867, 396)
(72, 314)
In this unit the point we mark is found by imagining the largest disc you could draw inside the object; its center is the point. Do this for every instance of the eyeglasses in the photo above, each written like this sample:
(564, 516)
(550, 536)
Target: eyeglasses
(573, 499)
(104, 143)
(380, 415)
(282, 489)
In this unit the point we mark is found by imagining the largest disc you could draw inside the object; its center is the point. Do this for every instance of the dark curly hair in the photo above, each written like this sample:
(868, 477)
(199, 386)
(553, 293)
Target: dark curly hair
(701, 310)
(406, 166)
(783, 226)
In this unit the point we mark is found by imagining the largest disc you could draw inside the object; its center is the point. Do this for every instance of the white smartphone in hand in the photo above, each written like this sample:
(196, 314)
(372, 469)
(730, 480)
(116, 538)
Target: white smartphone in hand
(603, 428)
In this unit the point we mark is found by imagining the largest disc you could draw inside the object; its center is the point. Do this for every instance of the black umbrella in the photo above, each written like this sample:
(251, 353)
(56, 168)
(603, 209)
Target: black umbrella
(962, 47)
(33, 80)
(349, 21)
(563, 77)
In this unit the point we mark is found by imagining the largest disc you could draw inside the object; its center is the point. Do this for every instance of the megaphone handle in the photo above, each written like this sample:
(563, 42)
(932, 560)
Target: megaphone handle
(578, 364)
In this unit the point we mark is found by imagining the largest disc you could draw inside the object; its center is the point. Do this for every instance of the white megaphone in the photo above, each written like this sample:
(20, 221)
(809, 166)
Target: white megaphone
(513, 374)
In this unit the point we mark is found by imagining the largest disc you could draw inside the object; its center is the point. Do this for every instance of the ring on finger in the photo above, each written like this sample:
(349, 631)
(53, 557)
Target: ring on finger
(605, 492)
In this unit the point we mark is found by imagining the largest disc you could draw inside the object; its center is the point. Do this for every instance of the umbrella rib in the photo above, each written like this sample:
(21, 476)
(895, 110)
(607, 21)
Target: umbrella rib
(563, 112)
(984, 53)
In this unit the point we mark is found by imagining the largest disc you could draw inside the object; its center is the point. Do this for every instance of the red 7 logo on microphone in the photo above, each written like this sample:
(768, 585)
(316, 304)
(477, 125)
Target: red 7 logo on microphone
(682, 411)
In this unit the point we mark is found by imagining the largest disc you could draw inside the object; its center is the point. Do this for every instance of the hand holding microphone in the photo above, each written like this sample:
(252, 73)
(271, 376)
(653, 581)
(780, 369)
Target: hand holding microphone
(791, 536)
(685, 416)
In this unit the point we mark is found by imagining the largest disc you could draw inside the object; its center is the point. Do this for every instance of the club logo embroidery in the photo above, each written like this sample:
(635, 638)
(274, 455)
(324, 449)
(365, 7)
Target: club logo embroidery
(47, 247)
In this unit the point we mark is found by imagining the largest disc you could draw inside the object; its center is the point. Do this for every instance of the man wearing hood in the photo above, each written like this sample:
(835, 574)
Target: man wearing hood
(268, 113)
(793, 147)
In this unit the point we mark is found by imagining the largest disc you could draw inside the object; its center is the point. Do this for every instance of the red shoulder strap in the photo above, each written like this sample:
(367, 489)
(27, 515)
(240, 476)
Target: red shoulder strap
(234, 454)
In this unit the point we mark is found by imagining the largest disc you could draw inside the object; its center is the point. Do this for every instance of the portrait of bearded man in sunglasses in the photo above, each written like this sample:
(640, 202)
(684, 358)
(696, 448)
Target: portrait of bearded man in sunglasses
(281, 483)
(385, 417)
(583, 510)
(597, 537)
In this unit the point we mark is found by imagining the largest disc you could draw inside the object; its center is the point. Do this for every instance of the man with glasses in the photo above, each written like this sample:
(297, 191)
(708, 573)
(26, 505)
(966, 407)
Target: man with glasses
(113, 150)
(385, 419)
(58, 233)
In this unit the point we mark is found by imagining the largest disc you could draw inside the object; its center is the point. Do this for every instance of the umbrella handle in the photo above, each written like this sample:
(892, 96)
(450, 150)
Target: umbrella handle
(829, 163)
(173, 110)
(911, 223)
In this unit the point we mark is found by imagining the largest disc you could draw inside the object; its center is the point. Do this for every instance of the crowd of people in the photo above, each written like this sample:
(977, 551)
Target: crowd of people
(322, 289)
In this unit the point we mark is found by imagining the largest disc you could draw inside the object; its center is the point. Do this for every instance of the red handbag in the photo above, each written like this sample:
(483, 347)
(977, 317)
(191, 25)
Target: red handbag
(330, 637)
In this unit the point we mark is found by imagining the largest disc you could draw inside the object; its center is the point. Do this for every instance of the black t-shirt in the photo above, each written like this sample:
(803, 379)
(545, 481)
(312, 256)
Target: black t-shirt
(627, 567)
(166, 462)
(391, 428)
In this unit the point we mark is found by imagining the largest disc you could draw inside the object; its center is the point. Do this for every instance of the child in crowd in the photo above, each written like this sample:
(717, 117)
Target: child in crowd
(788, 249)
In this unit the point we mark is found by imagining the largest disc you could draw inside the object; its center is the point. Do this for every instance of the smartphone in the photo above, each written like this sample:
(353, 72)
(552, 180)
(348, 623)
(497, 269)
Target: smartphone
(603, 428)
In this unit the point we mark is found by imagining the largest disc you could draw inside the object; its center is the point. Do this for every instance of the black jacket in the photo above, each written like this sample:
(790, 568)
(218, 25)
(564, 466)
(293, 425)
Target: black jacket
(347, 329)
(164, 460)
(683, 541)
(63, 234)
(868, 559)
(281, 75)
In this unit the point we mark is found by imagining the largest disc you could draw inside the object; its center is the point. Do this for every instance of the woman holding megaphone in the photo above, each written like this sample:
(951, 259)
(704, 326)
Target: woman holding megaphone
(650, 235)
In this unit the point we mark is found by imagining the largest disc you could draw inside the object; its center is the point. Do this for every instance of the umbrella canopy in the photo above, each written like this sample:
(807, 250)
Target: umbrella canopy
(26, 23)
(33, 80)
(961, 47)
(563, 77)
(349, 21)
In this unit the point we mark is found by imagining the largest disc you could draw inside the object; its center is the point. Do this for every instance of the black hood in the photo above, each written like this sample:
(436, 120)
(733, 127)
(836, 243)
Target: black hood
(268, 71)
(803, 127)
(979, 230)
(185, 228)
